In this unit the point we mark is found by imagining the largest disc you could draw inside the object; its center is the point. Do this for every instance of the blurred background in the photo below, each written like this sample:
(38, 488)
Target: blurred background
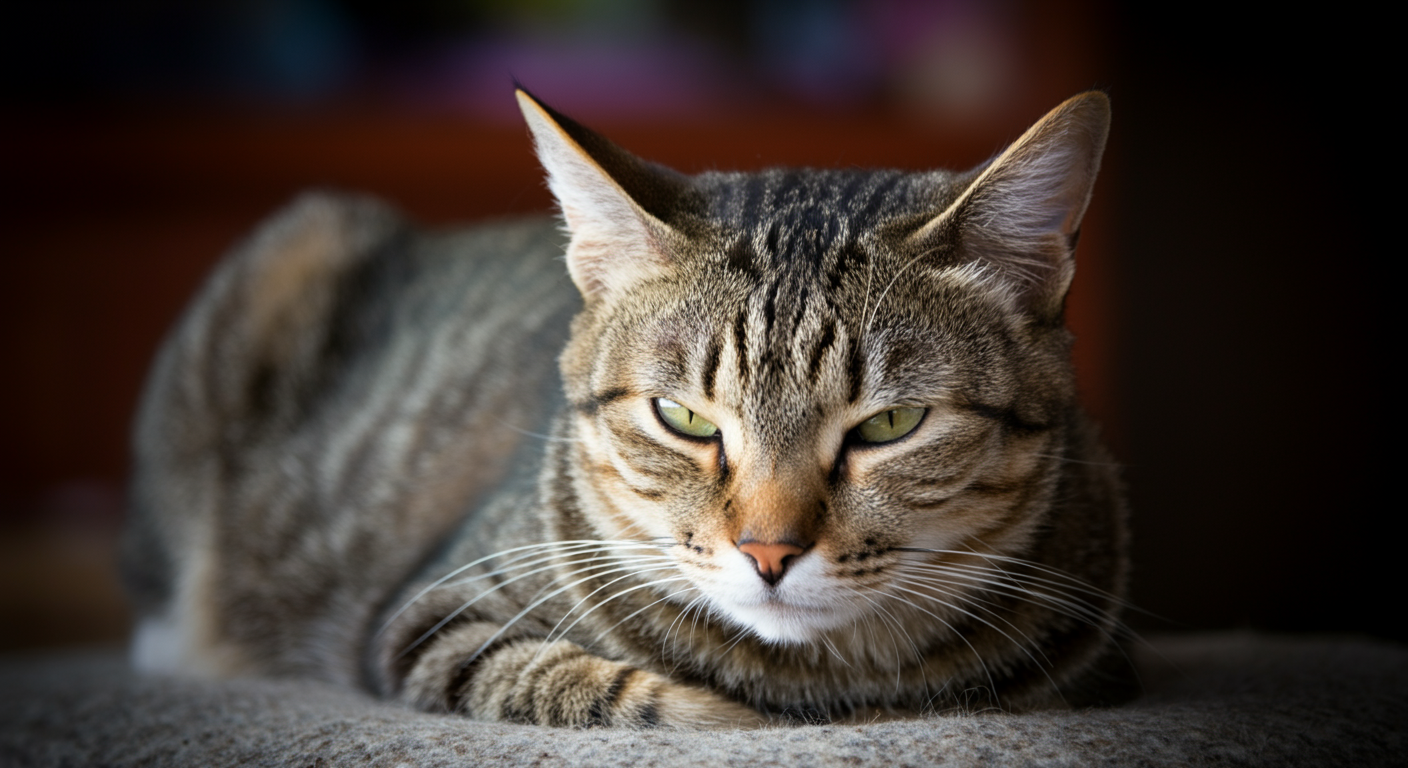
(1231, 341)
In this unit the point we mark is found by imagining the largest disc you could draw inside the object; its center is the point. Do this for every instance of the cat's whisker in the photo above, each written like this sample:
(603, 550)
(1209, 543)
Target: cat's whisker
(1075, 607)
(587, 597)
(554, 634)
(539, 435)
(533, 604)
(551, 565)
(875, 309)
(952, 629)
(831, 648)
(1061, 580)
(527, 550)
(1043, 664)
(572, 568)
(677, 627)
(704, 613)
(552, 562)
(889, 620)
(1059, 597)
(457, 571)
(1101, 620)
(1068, 460)
(1065, 603)
(602, 635)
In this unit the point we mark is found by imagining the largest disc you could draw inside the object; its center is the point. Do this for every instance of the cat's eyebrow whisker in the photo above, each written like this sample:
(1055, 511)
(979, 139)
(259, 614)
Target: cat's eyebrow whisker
(875, 309)
(550, 438)
(1066, 460)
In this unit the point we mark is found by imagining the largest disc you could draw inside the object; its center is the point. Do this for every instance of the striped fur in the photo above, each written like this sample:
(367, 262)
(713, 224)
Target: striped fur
(355, 464)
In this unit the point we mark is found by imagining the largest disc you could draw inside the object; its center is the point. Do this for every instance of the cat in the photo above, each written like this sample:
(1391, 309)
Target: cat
(797, 445)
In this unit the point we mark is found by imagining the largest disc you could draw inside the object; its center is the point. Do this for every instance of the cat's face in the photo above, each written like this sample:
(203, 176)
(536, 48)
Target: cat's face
(797, 426)
(826, 390)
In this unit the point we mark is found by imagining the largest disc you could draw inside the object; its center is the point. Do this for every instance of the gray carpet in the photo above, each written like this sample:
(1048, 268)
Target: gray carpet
(1221, 699)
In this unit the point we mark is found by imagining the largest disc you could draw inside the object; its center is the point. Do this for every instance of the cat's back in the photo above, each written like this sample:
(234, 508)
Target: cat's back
(341, 390)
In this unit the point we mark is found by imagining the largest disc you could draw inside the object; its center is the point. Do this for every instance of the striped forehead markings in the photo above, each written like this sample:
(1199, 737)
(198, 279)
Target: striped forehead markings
(828, 337)
(740, 341)
(710, 372)
(855, 370)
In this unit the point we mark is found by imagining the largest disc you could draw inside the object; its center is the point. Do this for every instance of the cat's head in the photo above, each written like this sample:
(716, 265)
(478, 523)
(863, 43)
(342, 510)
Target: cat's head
(807, 379)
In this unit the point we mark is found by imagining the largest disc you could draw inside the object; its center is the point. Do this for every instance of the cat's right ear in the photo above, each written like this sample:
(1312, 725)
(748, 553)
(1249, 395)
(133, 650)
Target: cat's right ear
(611, 203)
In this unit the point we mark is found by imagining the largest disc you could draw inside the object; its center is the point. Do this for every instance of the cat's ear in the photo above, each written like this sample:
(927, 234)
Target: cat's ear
(1021, 212)
(613, 203)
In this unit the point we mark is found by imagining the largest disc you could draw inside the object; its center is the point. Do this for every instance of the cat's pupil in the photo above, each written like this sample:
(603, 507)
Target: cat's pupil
(683, 419)
(889, 425)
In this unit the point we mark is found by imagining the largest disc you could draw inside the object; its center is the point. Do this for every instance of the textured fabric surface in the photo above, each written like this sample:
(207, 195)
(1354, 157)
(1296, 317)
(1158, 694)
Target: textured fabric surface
(1225, 699)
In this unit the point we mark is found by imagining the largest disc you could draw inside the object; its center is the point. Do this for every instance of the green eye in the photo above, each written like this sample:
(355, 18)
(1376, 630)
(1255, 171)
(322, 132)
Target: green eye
(889, 425)
(683, 420)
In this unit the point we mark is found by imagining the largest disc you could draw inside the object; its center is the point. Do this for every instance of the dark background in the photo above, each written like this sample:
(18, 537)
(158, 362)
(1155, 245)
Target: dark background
(1233, 340)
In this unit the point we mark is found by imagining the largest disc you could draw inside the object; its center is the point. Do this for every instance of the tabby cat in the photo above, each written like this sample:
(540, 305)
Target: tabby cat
(814, 451)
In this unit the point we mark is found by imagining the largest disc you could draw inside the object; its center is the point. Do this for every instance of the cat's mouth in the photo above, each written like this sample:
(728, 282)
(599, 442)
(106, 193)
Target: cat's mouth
(778, 620)
(796, 609)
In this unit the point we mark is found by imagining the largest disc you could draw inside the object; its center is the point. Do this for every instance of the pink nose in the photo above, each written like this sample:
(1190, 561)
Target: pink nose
(770, 560)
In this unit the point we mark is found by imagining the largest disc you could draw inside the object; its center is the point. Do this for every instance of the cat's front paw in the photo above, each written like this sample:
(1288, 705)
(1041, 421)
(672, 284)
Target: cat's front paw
(560, 683)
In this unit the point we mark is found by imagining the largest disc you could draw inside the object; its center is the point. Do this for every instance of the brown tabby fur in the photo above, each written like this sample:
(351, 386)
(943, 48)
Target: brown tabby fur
(354, 461)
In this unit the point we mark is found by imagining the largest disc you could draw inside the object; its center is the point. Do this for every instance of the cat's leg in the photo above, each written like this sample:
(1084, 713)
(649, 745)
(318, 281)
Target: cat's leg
(515, 678)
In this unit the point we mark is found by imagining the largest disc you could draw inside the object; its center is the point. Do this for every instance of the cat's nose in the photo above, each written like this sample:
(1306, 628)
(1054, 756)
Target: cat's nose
(770, 560)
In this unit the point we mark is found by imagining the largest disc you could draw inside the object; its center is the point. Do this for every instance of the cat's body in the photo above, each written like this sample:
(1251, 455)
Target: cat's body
(814, 449)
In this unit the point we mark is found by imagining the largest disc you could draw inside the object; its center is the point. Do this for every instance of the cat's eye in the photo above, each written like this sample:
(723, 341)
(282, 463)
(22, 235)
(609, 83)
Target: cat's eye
(683, 420)
(891, 424)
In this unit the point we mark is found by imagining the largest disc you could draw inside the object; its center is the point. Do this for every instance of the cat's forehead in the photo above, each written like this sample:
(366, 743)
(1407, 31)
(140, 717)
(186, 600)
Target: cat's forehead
(789, 215)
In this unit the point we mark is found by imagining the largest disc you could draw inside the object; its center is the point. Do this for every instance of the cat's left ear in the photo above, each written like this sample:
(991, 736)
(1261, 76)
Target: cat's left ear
(615, 205)
(1021, 213)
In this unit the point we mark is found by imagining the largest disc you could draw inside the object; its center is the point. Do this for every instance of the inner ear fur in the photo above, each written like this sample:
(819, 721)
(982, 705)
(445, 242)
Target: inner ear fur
(616, 207)
(1021, 213)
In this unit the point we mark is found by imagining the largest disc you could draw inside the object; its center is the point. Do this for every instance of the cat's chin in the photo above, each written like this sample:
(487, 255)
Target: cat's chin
(776, 621)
